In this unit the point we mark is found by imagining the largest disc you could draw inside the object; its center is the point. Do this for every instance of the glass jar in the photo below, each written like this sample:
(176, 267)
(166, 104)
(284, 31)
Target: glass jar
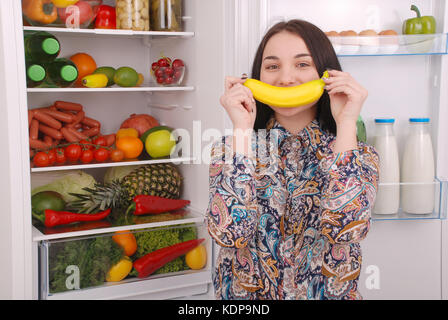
(133, 15)
(166, 15)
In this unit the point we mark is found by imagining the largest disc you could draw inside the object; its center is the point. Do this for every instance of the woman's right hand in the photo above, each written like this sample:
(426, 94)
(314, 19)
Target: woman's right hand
(239, 103)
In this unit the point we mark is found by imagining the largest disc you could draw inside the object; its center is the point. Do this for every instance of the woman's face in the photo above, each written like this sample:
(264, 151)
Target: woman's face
(287, 62)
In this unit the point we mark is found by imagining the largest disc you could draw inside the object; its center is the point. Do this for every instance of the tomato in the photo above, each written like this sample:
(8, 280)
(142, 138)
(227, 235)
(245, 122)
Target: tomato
(163, 62)
(71, 13)
(73, 152)
(177, 63)
(101, 154)
(101, 141)
(52, 156)
(41, 159)
(86, 145)
(116, 155)
(154, 66)
(169, 80)
(86, 156)
(60, 155)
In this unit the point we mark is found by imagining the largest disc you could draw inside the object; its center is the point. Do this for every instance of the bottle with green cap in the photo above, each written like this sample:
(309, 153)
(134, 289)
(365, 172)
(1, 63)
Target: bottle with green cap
(61, 72)
(35, 75)
(41, 47)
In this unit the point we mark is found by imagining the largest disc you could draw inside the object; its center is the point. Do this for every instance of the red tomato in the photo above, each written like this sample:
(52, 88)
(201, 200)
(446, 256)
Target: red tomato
(169, 71)
(86, 156)
(177, 63)
(116, 155)
(154, 66)
(101, 154)
(41, 159)
(52, 156)
(73, 152)
(163, 62)
(60, 156)
(101, 141)
(169, 80)
(70, 14)
(86, 145)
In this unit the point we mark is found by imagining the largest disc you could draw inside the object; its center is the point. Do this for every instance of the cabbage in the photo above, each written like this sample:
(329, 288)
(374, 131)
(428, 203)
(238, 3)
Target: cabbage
(118, 173)
(63, 182)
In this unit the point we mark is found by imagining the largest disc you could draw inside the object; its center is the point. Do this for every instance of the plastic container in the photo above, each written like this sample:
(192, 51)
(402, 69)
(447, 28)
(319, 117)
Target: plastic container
(174, 77)
(417, 169)
(133, 15)
(45, 13)
(166, 15)
(388, 195)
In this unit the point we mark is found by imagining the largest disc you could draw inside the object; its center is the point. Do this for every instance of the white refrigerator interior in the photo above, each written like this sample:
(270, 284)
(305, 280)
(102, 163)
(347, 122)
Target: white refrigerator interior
(403, 257)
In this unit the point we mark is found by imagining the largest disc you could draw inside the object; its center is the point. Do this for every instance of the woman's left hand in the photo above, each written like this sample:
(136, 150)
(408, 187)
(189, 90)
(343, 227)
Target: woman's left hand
(346, 97)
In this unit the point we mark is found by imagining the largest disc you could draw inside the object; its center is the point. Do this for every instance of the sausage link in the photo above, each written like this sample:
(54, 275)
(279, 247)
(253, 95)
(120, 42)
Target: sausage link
(48, 140)
(45, 118)
(79, 135)
(92, 132)
(38, 144)
(91, 122)
(61, 116)
(65, 105)
(70, 137)
(30, 116)
(49, 131)
(34, 129)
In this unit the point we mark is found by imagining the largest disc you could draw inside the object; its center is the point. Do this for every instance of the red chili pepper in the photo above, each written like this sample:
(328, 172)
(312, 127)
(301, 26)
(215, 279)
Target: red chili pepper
(106, 17)
(146, 204)
(153, 261)
(55, 218)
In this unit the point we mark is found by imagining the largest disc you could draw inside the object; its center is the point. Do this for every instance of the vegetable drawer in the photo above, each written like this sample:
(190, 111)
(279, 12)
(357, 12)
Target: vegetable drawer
(151, 263)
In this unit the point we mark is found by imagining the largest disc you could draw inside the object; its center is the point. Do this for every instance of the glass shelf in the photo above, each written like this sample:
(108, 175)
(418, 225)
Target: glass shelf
(421, 44)
(439, 208)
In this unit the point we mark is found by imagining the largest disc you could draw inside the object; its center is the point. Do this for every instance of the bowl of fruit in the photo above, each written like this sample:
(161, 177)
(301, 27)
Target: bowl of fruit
(168, 72)
(60, 13)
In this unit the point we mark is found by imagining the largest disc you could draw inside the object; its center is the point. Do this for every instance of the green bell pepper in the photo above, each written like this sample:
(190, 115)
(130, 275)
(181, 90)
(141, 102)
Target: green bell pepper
(419, 25)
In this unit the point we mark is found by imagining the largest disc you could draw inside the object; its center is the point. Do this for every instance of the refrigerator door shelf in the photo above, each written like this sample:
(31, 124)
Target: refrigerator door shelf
(149, 89)
(440, 201)
(63, 264)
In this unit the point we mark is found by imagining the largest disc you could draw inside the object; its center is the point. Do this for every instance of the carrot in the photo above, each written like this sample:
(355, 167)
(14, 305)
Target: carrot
(45, 118)
(70, 137)
(49, 131)
(34, 129)
(65, 105)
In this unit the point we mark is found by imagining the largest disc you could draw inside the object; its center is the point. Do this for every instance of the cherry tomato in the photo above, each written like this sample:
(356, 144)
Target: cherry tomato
(116, 155)
(86, 156)
(154, 66)
(86, 145)
(101, 141)
(159, 73)
(101, 154)
(41, 159)
(73, 152)
(177, 63)
(169, 80)
(177, 74)
(160, 80)
(51, 156)
(169, 71)
(162, 62)
(60, 156)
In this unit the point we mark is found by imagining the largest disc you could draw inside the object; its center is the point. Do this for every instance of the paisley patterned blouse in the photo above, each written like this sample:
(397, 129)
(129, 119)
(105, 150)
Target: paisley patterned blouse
(289, 219)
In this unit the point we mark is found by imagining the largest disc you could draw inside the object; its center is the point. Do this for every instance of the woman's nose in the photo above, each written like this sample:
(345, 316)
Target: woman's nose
(287, 78)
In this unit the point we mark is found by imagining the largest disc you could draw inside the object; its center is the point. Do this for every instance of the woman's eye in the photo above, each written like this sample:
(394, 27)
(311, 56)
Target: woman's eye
(302, 64)
(272, 67)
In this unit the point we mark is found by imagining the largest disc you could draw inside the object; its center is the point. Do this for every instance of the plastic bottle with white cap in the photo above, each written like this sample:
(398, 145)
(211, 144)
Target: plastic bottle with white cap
(388, 194)
(417, 169)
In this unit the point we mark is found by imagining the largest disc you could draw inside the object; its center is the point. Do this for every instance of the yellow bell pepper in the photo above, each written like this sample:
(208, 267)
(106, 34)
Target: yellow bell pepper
(120, 270)
(128, 132)
(64, 3)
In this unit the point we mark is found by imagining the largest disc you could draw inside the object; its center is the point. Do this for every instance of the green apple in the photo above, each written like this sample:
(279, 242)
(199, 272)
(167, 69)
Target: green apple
(160, 144)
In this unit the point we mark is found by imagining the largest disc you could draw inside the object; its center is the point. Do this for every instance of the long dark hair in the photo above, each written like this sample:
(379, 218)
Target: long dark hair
(323, 56)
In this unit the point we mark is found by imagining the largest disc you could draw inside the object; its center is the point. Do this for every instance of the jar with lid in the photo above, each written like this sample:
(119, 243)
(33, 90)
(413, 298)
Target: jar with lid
(417, 174)
(166, 15)
(133, 15)
(388, 194)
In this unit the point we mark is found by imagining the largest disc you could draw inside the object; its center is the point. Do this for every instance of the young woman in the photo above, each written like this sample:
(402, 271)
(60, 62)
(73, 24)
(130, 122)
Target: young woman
(289, 207)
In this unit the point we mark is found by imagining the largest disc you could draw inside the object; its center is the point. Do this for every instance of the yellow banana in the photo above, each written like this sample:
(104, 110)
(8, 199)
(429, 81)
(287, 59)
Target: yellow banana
(98, 80)
(287, 97)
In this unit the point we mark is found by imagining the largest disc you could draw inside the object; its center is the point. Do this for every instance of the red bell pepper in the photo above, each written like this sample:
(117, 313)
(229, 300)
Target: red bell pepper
(54, 218)
(106, 17)
(147, 204)
(153, 261)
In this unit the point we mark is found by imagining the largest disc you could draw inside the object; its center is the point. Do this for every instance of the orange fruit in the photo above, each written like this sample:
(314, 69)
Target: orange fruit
(126, 240)
(85, 63)
(131, 146)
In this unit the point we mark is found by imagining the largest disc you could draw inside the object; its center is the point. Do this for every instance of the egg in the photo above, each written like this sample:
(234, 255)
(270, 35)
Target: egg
(368, 39)
(388, 42)
(349, 37)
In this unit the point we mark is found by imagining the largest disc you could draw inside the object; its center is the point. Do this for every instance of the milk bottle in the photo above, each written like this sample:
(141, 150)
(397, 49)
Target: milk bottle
(388, 195)
(417, 175)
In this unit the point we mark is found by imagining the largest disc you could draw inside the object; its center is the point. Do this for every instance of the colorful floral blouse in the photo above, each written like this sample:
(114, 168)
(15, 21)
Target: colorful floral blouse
(289, 218)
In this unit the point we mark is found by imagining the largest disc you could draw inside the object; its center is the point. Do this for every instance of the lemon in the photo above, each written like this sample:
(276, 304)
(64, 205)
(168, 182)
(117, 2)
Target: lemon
(196, 258)
(120, 270)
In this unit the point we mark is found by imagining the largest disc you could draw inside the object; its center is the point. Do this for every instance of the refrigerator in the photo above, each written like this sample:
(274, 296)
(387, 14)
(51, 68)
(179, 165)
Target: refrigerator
(404, 256)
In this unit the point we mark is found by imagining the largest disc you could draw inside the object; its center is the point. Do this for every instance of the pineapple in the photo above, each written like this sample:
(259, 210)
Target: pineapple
(163, 180)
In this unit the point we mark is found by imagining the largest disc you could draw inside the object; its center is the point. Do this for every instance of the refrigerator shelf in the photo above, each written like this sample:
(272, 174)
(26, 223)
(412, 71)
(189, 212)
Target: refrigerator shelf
(110, 225)
(440, 204)
(113, 164)
(112, 32)
(418, 44)
(110, 89)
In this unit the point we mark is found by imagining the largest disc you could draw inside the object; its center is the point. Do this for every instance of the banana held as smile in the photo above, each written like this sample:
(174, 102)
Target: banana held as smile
(287, 97)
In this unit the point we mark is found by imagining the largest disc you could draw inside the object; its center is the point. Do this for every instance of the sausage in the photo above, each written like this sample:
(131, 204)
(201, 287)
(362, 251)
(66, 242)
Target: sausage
(91, 122)
(38, 144)
(48, 140)
(77, 118)
(34, 129)
(45, 118)
(92, 132)
(79, 135)
(61, 116)
(49, 131)
(65, 105)
(110, 139)
(70, 137)
(30, 116)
